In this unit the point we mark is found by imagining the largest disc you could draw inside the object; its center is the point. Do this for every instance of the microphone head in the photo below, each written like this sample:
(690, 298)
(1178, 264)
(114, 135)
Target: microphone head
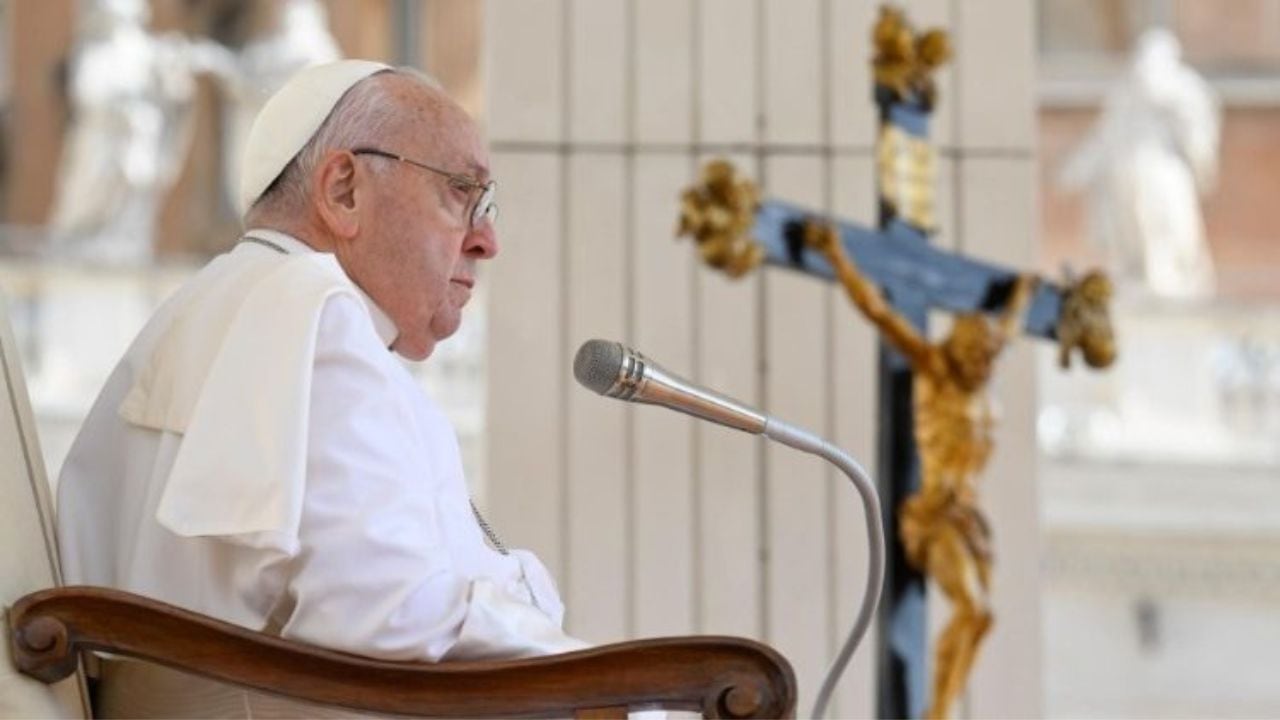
(598, 364)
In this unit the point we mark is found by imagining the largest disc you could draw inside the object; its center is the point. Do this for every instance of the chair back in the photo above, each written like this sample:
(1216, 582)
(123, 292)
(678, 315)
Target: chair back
(29, 560)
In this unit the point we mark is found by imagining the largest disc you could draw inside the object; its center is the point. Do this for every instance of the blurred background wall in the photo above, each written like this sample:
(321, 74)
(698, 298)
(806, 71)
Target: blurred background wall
(443, 35)
(1161, 528)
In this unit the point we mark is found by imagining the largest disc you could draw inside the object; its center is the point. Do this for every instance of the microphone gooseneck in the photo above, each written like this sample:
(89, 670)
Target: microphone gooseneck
(614, 370)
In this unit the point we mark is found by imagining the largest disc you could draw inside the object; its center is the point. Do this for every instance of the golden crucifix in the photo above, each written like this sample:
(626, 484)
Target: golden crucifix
(939, 523)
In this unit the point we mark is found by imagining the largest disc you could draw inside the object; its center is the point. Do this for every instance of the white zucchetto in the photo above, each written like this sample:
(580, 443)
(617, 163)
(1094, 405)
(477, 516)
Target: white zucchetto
(291, 117)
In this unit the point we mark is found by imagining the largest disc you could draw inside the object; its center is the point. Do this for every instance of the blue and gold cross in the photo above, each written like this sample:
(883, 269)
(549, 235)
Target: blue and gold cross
(736, 231)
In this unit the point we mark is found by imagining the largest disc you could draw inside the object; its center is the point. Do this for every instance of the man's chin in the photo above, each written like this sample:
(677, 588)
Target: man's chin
(417, 351)
(445, 325)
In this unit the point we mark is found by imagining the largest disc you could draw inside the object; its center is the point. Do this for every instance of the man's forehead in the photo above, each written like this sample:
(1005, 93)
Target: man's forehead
(465, 153)
(454, 153)
(443, 129)
(463, 138)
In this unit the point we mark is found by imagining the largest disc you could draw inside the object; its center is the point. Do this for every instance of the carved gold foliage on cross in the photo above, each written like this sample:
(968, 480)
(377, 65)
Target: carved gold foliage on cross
(718, 213)
(904, 60)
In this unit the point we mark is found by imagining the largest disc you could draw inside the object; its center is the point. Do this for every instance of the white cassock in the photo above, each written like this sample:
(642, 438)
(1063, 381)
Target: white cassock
(260, 456)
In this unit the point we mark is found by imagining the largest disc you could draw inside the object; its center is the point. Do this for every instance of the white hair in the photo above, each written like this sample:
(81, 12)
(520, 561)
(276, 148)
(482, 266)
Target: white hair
(361, 116)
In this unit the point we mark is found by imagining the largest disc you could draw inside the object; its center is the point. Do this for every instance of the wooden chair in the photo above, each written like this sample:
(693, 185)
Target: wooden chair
(50, 626)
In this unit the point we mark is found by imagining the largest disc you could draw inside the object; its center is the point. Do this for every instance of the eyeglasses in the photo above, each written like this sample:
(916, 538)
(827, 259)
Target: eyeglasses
(485, 209)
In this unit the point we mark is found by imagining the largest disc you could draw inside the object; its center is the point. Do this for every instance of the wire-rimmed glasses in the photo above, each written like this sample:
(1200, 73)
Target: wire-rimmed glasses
(485, 209)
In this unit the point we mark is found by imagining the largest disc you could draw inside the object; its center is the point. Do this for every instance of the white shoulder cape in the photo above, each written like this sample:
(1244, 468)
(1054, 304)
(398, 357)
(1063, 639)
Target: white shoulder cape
(232, 375)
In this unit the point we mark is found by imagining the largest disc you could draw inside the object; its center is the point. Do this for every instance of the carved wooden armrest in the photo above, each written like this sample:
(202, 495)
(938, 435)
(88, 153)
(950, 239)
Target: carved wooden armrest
(718, 676)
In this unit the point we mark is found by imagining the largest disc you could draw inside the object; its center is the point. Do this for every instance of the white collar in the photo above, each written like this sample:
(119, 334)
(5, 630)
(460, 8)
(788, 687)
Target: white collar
(290, 245)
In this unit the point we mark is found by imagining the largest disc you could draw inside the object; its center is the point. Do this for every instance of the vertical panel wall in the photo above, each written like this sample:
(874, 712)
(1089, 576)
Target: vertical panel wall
(661, 318)
(728, 571)
(600, 113)
(527, 383)
(596, 509)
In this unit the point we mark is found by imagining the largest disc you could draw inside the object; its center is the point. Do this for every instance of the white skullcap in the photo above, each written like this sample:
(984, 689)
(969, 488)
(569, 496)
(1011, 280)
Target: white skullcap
(290, 118)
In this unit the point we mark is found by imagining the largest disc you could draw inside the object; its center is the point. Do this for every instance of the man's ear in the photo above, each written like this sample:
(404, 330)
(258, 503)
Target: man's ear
(334, 187)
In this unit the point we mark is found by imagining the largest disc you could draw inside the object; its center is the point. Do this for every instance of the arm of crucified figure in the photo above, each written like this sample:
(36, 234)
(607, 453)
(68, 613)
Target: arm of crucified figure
(1015, 311)
(825, 238)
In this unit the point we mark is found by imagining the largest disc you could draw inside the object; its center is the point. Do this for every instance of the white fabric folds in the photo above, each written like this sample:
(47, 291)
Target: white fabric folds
(234, 379)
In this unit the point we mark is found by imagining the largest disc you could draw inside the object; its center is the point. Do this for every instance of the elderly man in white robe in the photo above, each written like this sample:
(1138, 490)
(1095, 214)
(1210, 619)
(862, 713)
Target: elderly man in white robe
(261, 455)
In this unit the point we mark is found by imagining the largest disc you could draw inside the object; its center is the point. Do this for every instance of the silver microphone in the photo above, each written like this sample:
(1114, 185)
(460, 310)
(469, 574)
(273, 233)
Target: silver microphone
(614, 370)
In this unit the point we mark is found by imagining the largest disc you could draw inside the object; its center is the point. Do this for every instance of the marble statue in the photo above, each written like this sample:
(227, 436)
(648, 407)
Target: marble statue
(1143, 167)
(131, 95)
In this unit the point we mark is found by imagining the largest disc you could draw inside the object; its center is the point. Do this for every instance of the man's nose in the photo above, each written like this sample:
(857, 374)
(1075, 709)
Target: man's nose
(481, 242)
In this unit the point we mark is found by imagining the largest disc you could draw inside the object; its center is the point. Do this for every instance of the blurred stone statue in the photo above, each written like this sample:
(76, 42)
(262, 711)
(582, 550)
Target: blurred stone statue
(297, 37)
(131, 94)
(1144, 165)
